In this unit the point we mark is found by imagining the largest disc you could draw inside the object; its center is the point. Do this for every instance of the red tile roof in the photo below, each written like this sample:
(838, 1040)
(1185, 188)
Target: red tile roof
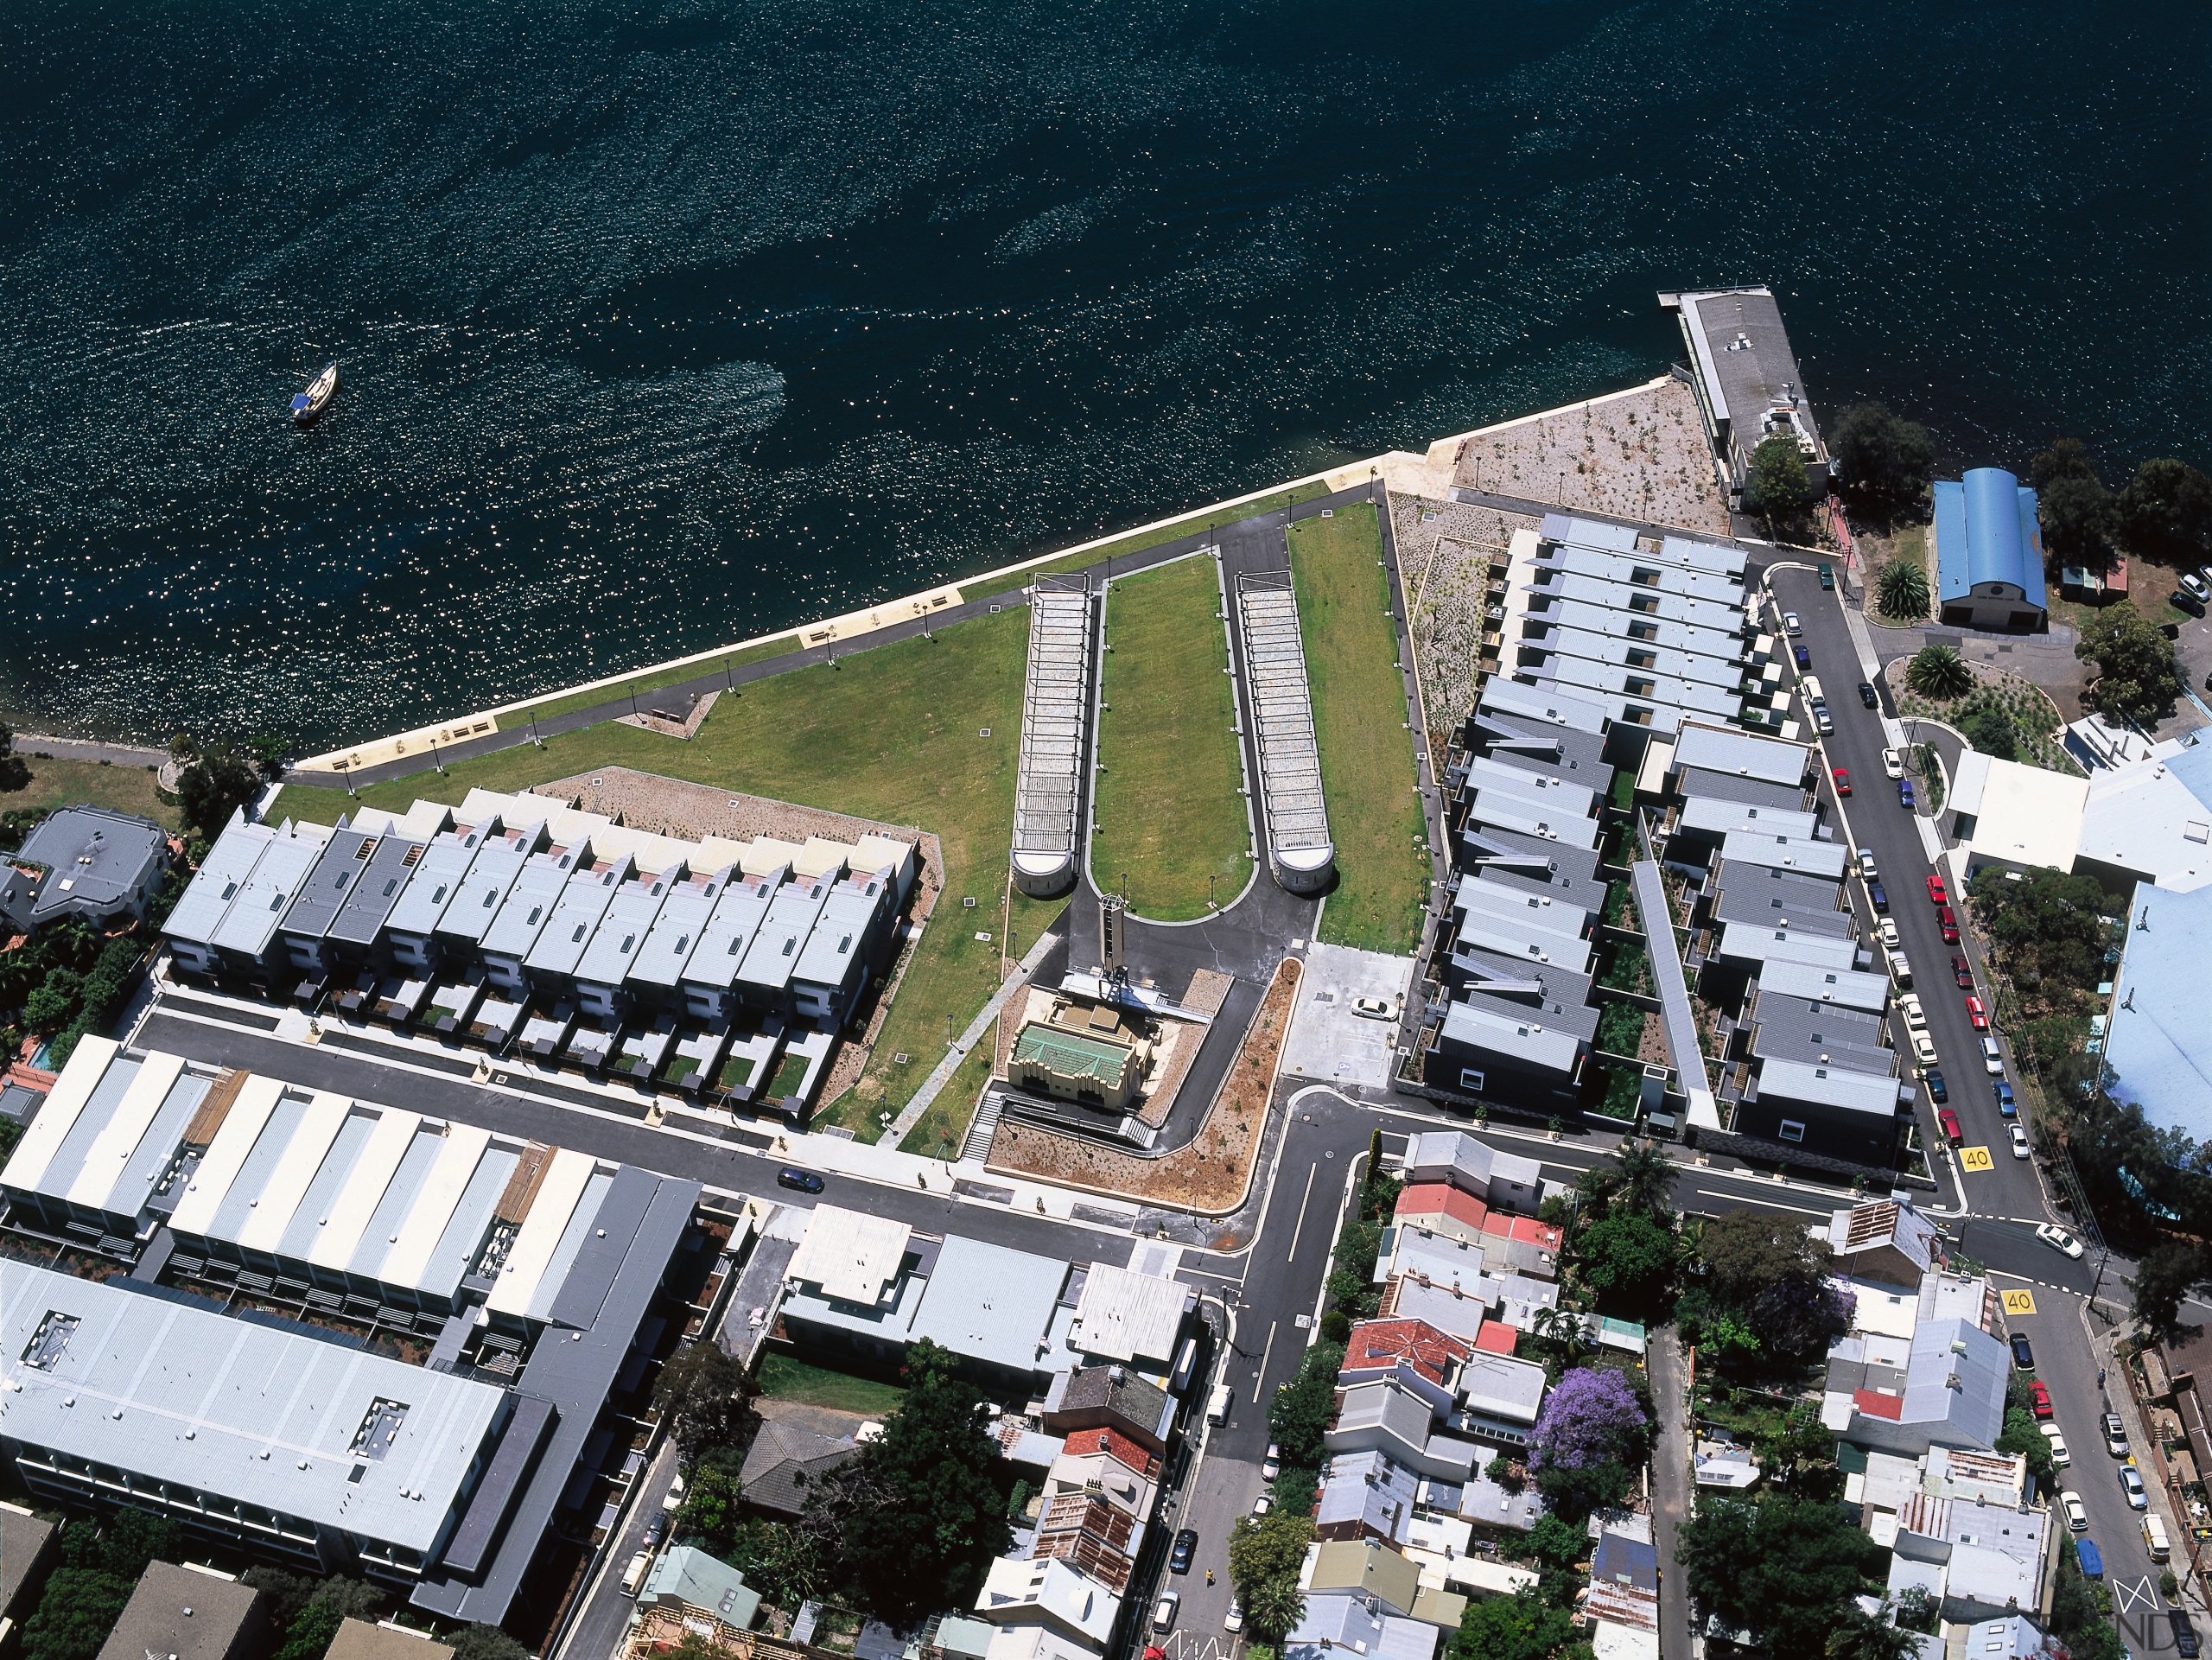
(1498, 1337)
(1875, 1405)
(1379, 1344)
(1439, 1199)
(1087, 1443)
(1526, 1228)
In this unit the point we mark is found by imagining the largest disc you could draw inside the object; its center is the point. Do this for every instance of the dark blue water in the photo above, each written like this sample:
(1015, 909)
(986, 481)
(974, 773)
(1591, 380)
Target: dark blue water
(664, 327)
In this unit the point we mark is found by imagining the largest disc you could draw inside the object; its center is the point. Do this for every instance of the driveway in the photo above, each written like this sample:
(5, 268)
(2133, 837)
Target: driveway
(1328, 1041)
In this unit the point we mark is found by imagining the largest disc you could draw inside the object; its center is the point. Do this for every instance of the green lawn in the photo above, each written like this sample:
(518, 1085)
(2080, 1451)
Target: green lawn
(1168, 811)
(889, 734)
(784, 1379)
(938, 1132)
(1359, 717)
(775, 645)
(66, 783)
(1204, 518)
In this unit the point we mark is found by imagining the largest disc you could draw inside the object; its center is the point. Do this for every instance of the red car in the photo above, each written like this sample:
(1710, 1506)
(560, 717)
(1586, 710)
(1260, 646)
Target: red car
(1949, 1121)
(1961, 973)
(1936, 894)
(1842, 780)
(1949, 923)
(2041, 1396)
(1978, 1014)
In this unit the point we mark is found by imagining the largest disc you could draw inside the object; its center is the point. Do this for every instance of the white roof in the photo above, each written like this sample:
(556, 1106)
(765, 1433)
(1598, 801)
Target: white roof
(1846, 988)
(1724, 749)
(1126, 1315)
(224, 871)
(851, 1255)
(64, 1103)
(2022, 815)
(2142, 817)
(1874, 1093)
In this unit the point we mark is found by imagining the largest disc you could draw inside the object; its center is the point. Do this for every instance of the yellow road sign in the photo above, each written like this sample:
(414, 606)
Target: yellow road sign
(1975, 1158)
(2019, 1302)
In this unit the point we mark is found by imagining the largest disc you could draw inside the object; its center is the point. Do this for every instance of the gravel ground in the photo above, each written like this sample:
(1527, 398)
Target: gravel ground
(1641, 453)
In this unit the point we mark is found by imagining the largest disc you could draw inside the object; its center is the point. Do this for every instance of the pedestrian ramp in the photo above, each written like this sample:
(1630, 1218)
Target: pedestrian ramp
(1299, 850)
(1055, 734)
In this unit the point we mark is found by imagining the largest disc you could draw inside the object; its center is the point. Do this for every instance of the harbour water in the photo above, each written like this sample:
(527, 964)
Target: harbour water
(664, 327)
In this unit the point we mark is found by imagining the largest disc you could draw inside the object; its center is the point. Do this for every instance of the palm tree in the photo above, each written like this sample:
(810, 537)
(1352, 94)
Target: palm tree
(1904, 590)
(1645, 1178)
(1861, 1635)
(1938, 671)
(1274, 1608)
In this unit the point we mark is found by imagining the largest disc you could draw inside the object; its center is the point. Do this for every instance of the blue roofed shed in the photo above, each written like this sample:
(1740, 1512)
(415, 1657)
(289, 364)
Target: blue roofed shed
(1988, 552)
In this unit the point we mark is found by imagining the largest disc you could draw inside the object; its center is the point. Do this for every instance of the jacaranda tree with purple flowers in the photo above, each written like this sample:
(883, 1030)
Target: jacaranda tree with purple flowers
(1589, 1441)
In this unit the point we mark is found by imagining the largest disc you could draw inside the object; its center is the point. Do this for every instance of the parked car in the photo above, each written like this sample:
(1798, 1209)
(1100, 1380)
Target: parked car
(634, 1575)
(1163, 1612)
(1842, 776)
(1876, 897)
(2039, 1400)
(2059, 1240)
(1263, 1503)
(1827, 578)
(674, 1498)
(1372, 1008)
(1234, 1619)
(1900, 968)
(2187, 1644)
(651, 1536)
(2024, 1355)
(1823, 723)
(1867, 863)
(1962, 972)
(1271, 1465)
(2076, 1517)
(1866, 695)
(2006, 1106)
(1923, 1049)
(2115, 1435)
(1804, 658)
(1790, 626)
(1949, 1121)
(1904, 793)
(805, 1180)
(1915, 1017)
(2132, 1483)
(2019, 1140)
(1977, 1013)
(1887, 928)
(2195, 587)
(1937, 895)
(1948, 920)
(2059, 1455)
(1936, 1091)
(1992, 1057)
(1893, 763)
(1186, 1546)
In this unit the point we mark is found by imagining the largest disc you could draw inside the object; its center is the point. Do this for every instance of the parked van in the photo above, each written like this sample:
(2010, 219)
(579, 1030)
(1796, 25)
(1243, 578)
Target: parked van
(1900, 969)
(1217, 1406)
(1185, 1362)
(2154, 1539)
(1810, 685)
(634, 1575)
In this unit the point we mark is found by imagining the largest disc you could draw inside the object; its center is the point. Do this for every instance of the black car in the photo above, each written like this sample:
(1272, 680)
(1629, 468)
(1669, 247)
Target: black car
(1187, 1546)
(1937, 1092)
(1877, 897)
(1866, 695)
(2185, 1641)
(805, 1180)
(2022, 1356)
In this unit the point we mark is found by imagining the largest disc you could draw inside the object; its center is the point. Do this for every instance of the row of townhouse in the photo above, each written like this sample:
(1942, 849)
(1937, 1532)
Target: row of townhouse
(520, 919)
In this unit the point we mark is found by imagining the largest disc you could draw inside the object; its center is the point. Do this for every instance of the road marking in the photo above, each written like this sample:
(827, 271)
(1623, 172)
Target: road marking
(1260, 1382)
(2126, 1597)
(1302, 1204)
(1975, 1158)
(2019, 1302)
(1772, 1204)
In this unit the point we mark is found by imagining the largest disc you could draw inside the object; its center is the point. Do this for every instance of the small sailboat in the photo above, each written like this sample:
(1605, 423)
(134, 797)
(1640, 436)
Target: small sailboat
(309, 405)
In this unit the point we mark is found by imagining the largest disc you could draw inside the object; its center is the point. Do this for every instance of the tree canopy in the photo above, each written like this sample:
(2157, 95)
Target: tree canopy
(1627, 1256)
(2165, 512)
(1990, 730)
(1265, 1553)
(2167, 1274)
(1882, 459)
(97, 1571)
(1938, 671)
(1523, 1627)
(2137, 675)
(1902, 590)
(703, 1394)
(1777, 482)
(1785, 1566)
(1299, 1416)
(213, 787)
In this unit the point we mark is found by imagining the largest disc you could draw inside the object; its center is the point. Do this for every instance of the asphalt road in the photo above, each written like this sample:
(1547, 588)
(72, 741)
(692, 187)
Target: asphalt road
(1871, 818)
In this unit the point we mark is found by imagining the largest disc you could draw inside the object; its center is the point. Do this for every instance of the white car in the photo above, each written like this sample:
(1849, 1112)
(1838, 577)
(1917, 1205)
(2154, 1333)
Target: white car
(1992, 1057)
(2019, 1140)
(2059, 1240)
(1916, 1018)
(1923, 1051)
(1373, 1008)
(2192, 585)
(2059, 1455)
(1867, 863)
(1888, 930)
(1234, 1619)
(1271, 1465)
(1790, 626)
(2132, 1484)
(1163, 1612)
(2076, 1516)
(1263, 1503)
(1893, 763)
(675, 1500)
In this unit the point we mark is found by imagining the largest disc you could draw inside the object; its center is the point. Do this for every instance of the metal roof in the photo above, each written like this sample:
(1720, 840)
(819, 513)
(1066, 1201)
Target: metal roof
(614, 949)
(715, 960)
(222, 874)
(679, 929)
(567, 934)
(323, 890)
(1126, 1315)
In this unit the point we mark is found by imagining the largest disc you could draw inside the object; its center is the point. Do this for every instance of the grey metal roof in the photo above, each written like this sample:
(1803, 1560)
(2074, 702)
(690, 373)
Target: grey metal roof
(475, 903)
(1743, 754)
(1282, 715)
(773, 954)
(715, 960)
(680, 929)
(1742, 357)
(1704, 783)
(323, 889)
(836, 943)
(1716, 815)
(1848, 1091)
(1055, 725)
(222, 875)
(1541, 706)
(1765, 904)
(1570, 867)
(438, 877)
(1790, 1029)
(522, 915)
(567, 934)
(96, 859)
(1527, 1039)
(990, 1303)
(1850, 988)
(377, 892)
(613, 952)
(178, 1394)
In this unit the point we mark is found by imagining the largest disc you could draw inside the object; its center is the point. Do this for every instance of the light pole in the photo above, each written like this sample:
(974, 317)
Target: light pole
(1211, 880)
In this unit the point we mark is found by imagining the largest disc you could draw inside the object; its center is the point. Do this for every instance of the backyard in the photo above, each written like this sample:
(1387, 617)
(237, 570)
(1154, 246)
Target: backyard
(1368, 775)
(1169, 815)
(785, 1378)
(894, 733)
(64, 783)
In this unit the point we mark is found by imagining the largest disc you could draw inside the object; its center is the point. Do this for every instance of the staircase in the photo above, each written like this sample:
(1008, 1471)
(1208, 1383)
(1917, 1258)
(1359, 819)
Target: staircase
(977, 1147)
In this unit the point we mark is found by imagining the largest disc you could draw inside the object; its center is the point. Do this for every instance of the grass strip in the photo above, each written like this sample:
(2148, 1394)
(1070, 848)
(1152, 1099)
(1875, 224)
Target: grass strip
(1368, 772)
(785, 1377)
(1169, 813)
(56, 783)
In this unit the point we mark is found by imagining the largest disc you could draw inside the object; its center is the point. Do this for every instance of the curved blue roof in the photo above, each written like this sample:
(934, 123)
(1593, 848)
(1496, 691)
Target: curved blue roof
(1985, 531)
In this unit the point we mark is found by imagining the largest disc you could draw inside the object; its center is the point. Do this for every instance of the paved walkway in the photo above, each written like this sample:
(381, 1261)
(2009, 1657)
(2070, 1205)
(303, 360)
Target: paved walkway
(116, 755)
(1671, 1488)
(941, 1074)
